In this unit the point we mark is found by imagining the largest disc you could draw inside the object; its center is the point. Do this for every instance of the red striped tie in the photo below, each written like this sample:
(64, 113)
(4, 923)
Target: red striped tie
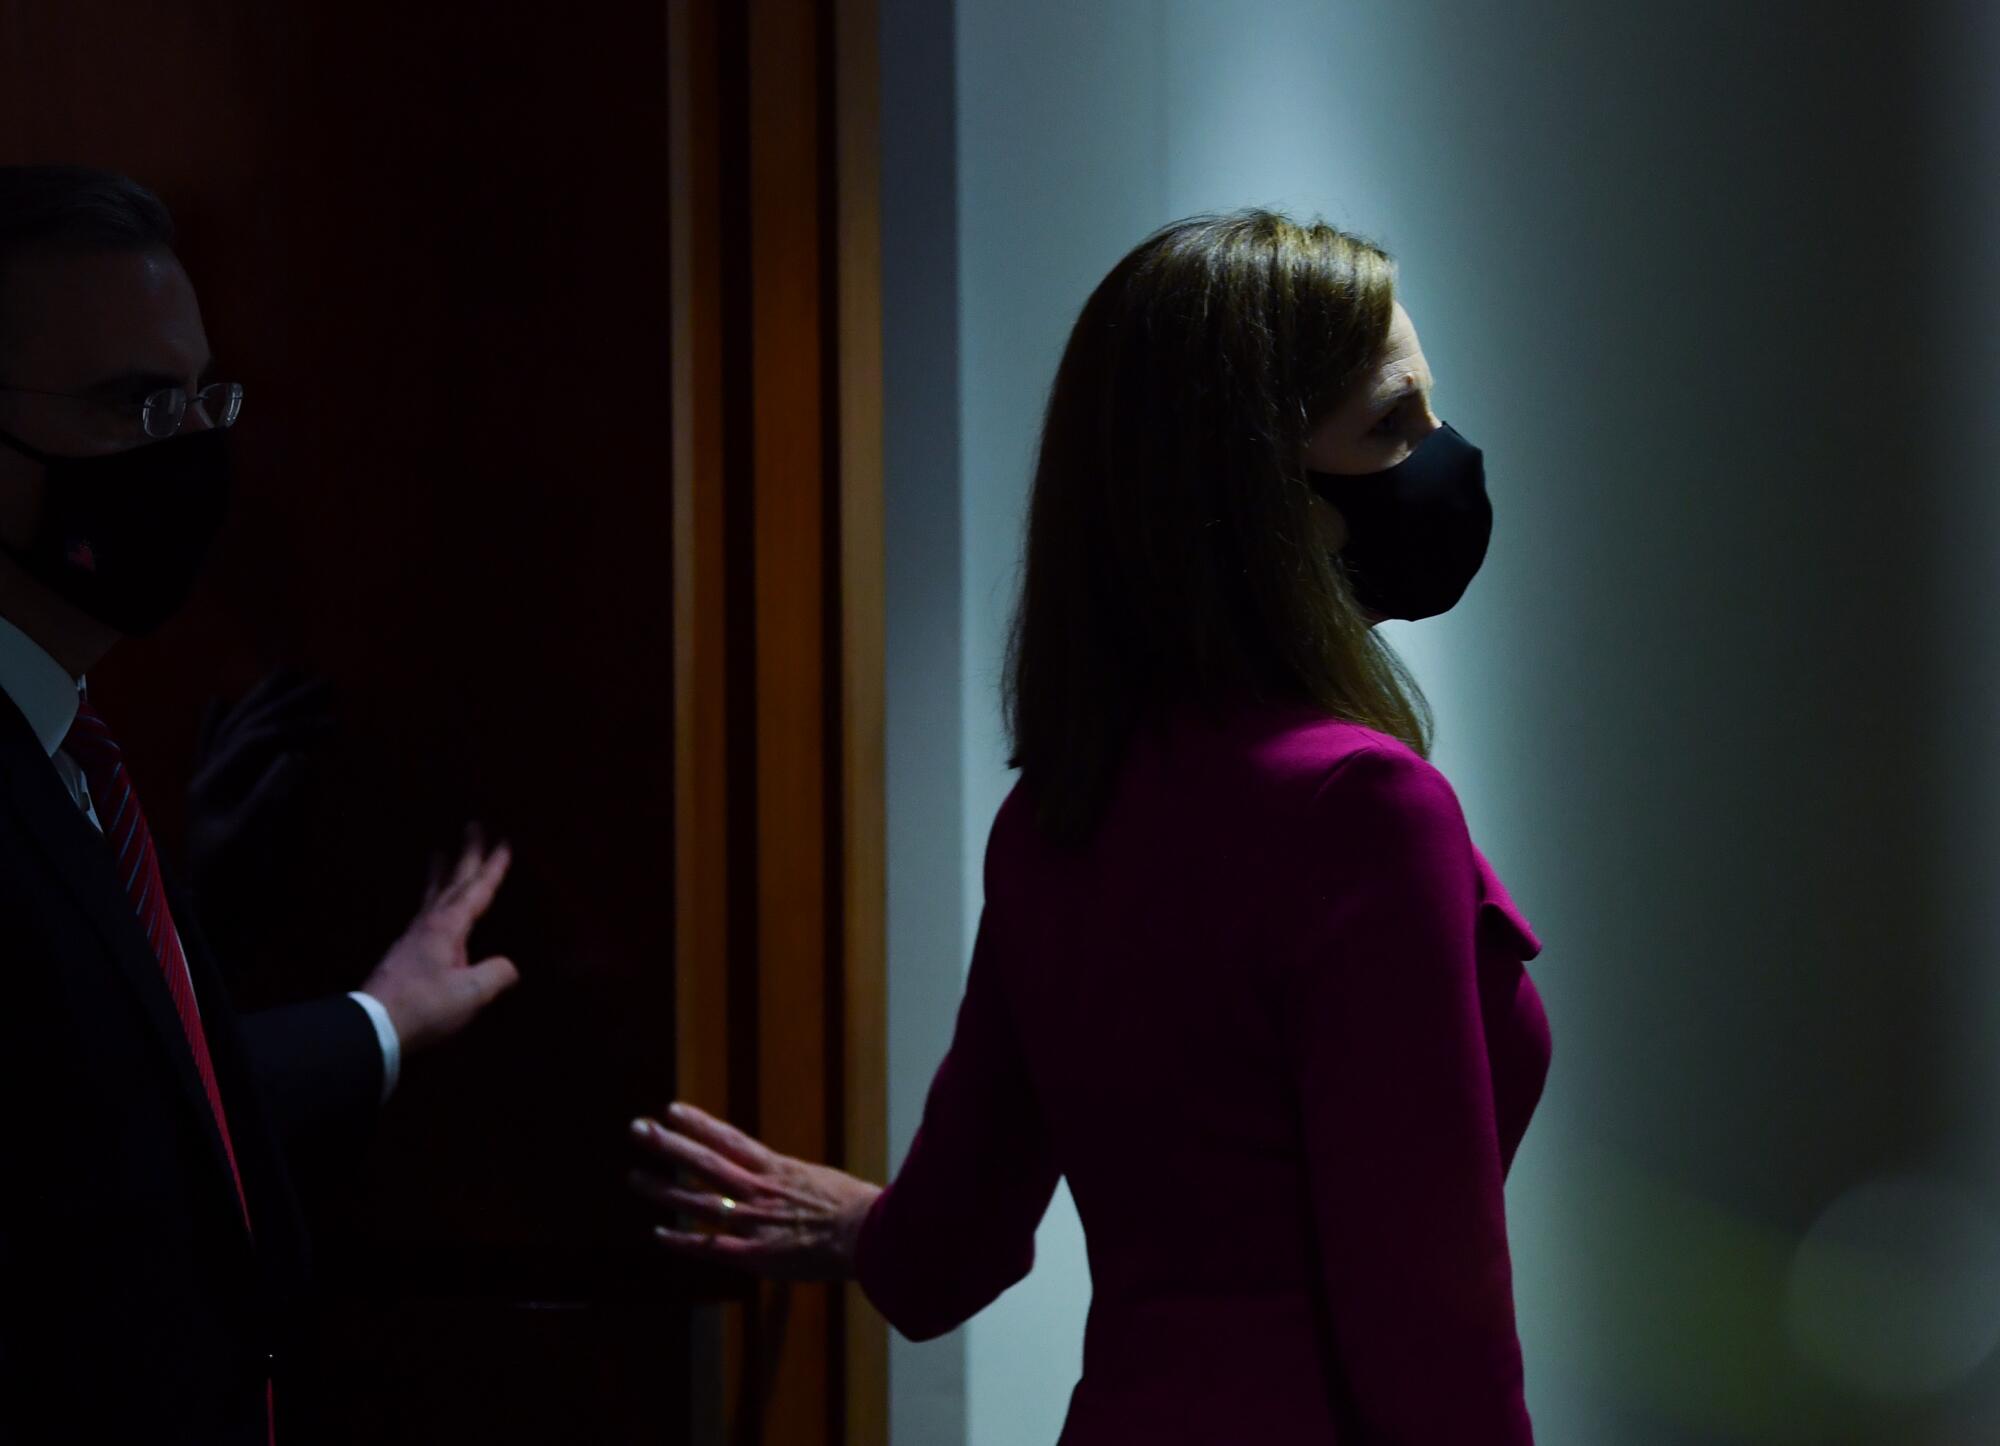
(96, 752)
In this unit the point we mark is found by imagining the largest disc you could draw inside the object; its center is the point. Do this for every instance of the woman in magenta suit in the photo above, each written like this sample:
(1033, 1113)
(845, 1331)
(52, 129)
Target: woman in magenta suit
(1242, 976)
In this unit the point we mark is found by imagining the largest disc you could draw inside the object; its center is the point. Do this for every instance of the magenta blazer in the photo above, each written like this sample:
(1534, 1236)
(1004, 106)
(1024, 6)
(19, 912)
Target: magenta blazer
(1273, 1027)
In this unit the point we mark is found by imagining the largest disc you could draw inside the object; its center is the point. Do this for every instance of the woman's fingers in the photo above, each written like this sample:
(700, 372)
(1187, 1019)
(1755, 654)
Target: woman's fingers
(690, 1242)
(747, 1251)
(658, 1140)
(722, 1209)
(721, 1136)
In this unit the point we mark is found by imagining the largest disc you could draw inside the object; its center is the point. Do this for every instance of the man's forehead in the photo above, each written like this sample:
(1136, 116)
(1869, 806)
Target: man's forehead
(77, 316)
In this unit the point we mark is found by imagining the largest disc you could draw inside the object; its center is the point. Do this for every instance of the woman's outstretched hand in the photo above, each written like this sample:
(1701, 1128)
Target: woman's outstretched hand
(776, 1216)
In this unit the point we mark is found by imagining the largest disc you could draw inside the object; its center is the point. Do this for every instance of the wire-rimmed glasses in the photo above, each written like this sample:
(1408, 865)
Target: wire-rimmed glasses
(162, 412)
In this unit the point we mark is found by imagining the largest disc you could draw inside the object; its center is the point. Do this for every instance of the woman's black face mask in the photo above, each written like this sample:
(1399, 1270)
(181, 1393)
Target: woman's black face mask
(1417, 531)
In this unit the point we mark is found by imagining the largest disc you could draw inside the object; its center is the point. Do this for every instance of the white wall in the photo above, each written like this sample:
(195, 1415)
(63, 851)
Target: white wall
(1711, 286)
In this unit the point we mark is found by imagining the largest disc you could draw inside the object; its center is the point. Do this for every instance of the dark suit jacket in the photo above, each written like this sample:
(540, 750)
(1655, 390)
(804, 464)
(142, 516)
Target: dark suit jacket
(134, 1306)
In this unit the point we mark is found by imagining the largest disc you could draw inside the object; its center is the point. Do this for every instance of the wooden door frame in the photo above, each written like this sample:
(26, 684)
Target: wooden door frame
(778, 587)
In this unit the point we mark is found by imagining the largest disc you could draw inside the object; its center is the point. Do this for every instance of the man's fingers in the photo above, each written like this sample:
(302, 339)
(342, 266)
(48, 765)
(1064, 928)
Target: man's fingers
(434, 881)
(278, 781)
(720, 1135)
(486, 883)
(494, 977)
(467, 901)
(263, 734)
(292, 693)
(657, 1140)
(211, 715)
(308, 703)
(272, 686)
(471, 858)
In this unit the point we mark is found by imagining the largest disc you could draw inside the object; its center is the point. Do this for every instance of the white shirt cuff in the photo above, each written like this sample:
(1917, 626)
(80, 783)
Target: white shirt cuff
(385, 1034)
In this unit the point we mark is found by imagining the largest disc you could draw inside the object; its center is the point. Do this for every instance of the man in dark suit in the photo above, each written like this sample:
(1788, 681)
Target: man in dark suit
(152, 1255)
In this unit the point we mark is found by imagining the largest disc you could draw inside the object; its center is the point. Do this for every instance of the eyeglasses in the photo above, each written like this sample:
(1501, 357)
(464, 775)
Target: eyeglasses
(161, 413)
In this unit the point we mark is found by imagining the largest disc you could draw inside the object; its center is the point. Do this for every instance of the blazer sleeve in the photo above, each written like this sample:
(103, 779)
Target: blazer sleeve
(1386, 1045)
(957, 1225)
(318, 1069)
(317, 1065)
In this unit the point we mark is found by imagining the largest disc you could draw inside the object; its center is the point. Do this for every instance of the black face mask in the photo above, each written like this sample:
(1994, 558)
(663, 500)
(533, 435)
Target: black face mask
(1417, 531)
(123, 535)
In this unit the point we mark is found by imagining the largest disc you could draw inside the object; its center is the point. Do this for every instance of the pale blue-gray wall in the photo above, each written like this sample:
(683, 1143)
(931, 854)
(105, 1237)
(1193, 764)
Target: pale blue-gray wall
(1713, 287)
(925, 720)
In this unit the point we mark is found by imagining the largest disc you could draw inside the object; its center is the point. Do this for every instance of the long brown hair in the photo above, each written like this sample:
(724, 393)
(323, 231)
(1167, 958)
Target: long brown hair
(1171, 555)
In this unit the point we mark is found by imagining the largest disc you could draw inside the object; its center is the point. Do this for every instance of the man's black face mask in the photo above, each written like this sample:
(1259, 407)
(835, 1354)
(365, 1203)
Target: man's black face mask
(123, 536)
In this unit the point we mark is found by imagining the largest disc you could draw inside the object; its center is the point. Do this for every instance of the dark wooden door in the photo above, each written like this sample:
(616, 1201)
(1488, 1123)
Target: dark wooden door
(560, 459)
(432, 242)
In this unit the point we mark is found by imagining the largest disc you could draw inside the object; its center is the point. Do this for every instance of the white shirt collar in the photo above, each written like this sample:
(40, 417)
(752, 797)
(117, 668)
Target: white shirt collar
(40, 686)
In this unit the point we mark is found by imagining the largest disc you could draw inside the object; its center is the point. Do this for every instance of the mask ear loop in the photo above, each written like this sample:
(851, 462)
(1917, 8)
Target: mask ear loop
(33, 454)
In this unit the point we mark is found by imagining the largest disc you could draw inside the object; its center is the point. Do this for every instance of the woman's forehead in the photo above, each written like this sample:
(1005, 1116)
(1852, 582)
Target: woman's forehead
(1401, 365)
